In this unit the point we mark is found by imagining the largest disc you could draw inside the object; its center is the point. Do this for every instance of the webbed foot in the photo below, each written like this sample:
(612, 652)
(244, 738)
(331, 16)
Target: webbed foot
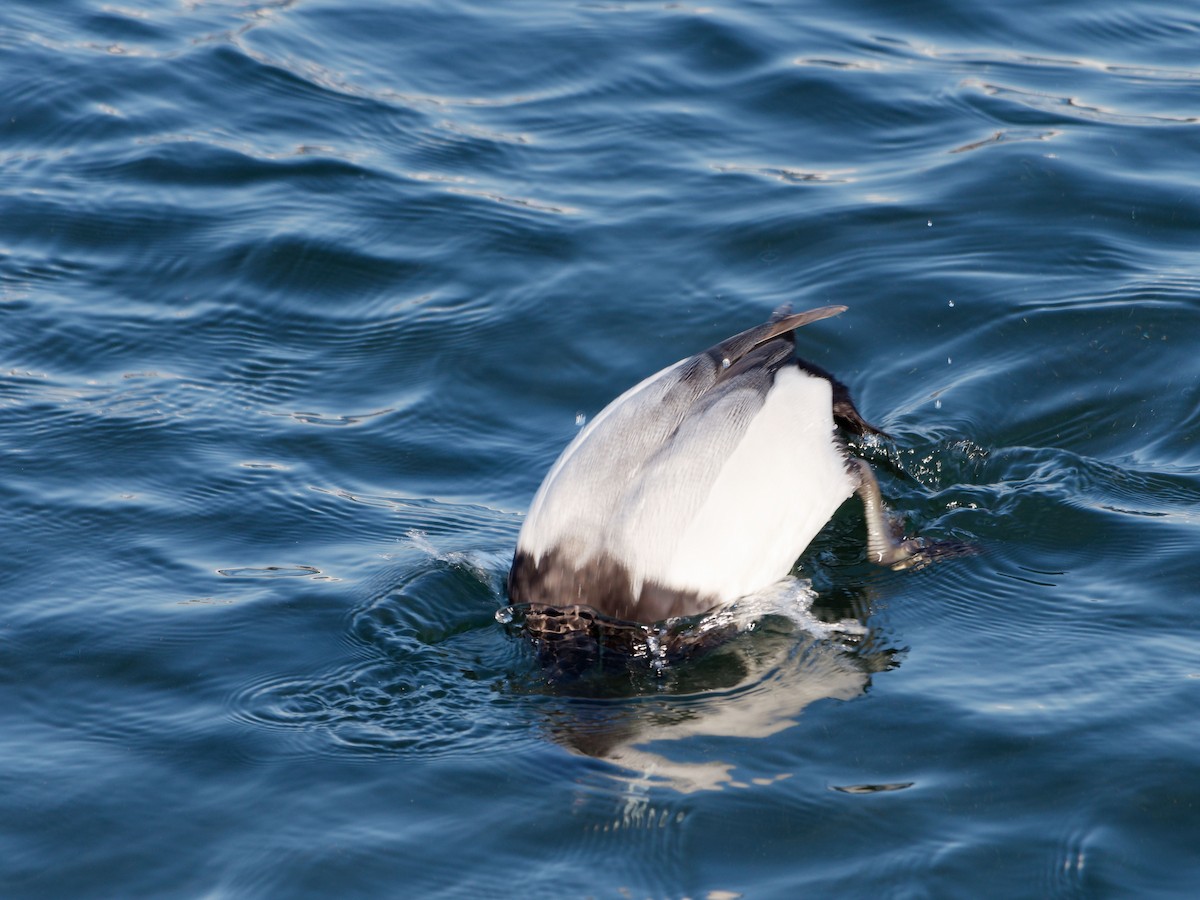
(883, 545)
(888, 548)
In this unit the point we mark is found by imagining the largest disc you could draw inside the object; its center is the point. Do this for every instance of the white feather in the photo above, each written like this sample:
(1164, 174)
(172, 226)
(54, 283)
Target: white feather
(579, 496)
(775, 492)
(716, 495)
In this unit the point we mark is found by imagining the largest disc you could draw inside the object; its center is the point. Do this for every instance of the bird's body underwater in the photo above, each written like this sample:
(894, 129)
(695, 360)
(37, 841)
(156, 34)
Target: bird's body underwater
(698, 486)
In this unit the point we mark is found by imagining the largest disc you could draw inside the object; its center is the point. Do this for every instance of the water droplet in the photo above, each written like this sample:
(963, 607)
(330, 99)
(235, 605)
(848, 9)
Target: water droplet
(725, 363)
(937, 404)
(949, 360)
(951, 304)
(504, 615)
(929, 223)
(580, 418)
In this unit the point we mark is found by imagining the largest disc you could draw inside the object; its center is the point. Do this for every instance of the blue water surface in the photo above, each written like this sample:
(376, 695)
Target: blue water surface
(299, 300)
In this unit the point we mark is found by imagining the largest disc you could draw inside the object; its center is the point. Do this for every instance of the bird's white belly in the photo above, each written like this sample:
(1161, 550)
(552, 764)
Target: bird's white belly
(781, 484)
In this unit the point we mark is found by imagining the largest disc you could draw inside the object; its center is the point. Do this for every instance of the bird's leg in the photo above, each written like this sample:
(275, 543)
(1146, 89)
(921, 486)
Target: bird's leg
(882, 545)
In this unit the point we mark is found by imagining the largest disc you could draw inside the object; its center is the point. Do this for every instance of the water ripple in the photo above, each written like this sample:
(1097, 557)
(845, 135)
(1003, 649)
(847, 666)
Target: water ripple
(299, 300)
(421, 688)
(1068, 107)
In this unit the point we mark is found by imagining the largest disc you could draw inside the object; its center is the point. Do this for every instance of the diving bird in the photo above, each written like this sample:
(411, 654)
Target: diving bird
(700, 485)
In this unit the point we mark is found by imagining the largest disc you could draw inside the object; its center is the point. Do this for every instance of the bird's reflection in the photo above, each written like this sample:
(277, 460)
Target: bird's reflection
(747, 672)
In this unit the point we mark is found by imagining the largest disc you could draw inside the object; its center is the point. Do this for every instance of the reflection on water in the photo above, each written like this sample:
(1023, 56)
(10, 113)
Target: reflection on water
(781, 658)
(428, 667)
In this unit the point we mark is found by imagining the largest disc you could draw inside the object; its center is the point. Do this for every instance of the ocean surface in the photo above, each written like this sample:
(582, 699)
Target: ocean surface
(300, 300)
